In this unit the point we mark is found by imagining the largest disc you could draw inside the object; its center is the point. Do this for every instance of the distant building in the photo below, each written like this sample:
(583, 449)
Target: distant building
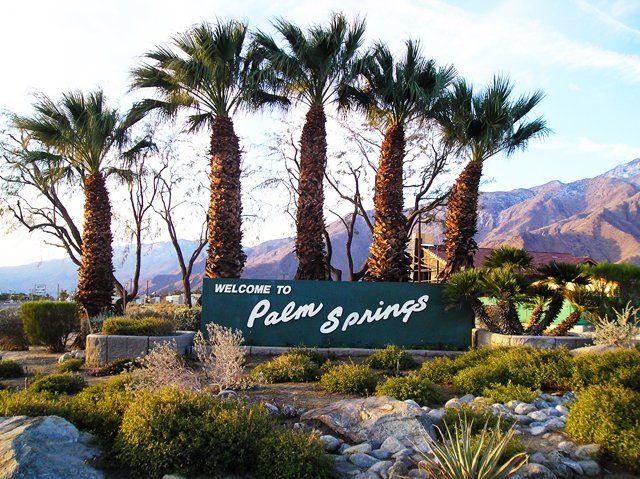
(433, 259)
(179, 298)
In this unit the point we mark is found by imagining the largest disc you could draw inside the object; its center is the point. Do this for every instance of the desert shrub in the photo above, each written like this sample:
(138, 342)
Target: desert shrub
(31, 403)
(312, 353)
(292, 455)
(621, 327)
(71, 365)
(503, 393)
(187, 319)
(513, 447)
(61, 383)
(10, 369)
(391, 357)
(608, 415)
(223, 358)
(620, 368)
(290, 367)
(99, 409)
(349, 379)
(412, 386)
(12, 337)
(145, 326)
(50, 323)
(442, 370)
(536, 369)
(165, 367)
(115, 367)
(172, 430)
(476, 418)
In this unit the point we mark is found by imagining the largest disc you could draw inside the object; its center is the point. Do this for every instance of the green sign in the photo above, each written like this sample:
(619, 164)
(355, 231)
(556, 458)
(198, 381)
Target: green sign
(335, 314)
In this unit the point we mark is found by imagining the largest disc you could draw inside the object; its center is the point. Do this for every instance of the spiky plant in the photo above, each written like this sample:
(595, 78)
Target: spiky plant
(210, 73)
(509, 257)
(312, 68)
(481, 125)
(465, 289)
(463, 455)
(86, 139)
(560, 278)
(394, 93)
(584, 301)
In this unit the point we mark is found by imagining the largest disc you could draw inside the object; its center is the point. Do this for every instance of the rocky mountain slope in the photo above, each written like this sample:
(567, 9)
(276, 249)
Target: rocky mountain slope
(597, 217)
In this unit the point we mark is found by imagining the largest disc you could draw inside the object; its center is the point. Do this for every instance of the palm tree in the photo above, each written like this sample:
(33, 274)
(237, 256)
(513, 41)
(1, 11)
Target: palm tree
(394, 94)
(313, 67)
(583, 301)
(560, 279)
(509, 257)
(210, 73)
(481, 125)
(83, 136)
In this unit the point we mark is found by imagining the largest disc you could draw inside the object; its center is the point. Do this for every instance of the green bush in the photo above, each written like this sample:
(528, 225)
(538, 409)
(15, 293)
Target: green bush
(478, 417)
(62, 383)
(172, 430)
(50, 323)
(608, 415)
(443, 369)
(10, 369)
(187, 319)
(620, 368)
(349, 379)
(115, 367)
(99, 409)
(503, 393)
(71, 365)
(30, 403)
(291, 367)
(12, 337)
(312, 353)
(514, 447)
(392, 358)
(412, 386)
(143, 326)
(292, 455)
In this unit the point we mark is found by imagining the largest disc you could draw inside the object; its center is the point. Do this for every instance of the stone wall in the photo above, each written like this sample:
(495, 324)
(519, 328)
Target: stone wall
(481, 338)
(103, 349)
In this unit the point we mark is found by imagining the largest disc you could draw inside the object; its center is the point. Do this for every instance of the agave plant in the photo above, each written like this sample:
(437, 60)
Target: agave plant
(463, 455)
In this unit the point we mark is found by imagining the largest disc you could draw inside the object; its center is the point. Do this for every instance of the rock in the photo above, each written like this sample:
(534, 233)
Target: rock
(173, 476)
(343, 468)
(537, 430)
(554, 424)
(367, 475)
(411, 402)
(436, 416)
(538, 416)
(289, 411)
(393, 445)
(524, 408)
(46, 446)
(552, 412)
(574, 465)
(536, 471)
(540, 404)
(567, 447)
(381, 454)
(272, 408)
(453, 402)
(466, 399)
(227, 394)
(374, 419)
(343, 447)
(561, 470)
(398, 471)
(420, 474)
(522, 419)
(564, 410)
(364, 448)
(381, 467)
(331, 444)
(65, 357)
(588, 451)
(590, 468)
(362, 460)
(538, 457)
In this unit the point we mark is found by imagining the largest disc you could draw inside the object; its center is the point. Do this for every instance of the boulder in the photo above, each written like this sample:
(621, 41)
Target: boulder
(331, 444)
(47, 446)
(374, 419)
(364, 448)
(536, 471)
(362, 460)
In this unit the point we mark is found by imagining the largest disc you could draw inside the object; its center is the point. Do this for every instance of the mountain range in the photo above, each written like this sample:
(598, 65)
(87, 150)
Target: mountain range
(597, 217)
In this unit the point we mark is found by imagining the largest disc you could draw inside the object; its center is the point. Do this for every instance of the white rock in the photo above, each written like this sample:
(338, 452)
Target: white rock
(436, 416)
(574, 465)
(524, 408)
(363, 461)
(412, 402)
(381, 467)
(564, 410)
(393, 445)
(381, 454)
(331, 444)
(538, 416)
(537, 430)
(536, 471)
(467, 398)
(588, 451)
(272, 408)
(454, 402)
(364, 448)
(567, 447)
(590, 468)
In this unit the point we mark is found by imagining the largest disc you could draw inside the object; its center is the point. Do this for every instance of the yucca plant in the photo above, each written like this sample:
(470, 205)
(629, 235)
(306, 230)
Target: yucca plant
(463, 455)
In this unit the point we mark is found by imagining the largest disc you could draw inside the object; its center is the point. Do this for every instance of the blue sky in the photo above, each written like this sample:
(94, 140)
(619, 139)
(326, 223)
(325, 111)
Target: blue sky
(584, 54)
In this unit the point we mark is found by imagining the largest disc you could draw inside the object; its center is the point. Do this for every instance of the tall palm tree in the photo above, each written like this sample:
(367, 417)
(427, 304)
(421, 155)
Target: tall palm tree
(506, 256)
(481, 125)
(210, 73)
(560, 278)
(314, 67)
(394, 94)
(85, 137)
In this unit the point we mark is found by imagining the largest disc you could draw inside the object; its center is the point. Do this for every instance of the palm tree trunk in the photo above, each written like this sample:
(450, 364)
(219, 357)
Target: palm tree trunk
(95, 277)
(462, 215)
(310, 216)
(225, 258)
(388, 259)
(554, 309)
(535, 315)
(569, 322)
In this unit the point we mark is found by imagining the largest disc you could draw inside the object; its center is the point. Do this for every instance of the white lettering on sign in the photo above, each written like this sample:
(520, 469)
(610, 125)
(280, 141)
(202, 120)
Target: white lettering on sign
(293, 312)
(243, 288)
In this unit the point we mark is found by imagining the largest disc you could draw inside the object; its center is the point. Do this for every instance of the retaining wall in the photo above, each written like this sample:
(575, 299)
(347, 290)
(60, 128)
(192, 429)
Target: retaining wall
(103, 349)
(482, 338)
